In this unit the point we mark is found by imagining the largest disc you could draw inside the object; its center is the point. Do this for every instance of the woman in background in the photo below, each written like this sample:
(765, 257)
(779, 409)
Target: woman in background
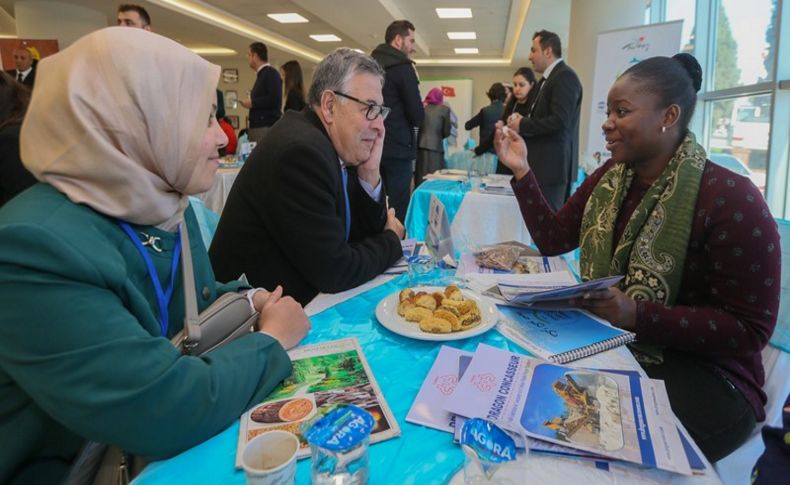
(520, 102)
(85, 350)
(291, 73)
(435, 128)
(695, 242)
(487, 117)
(14, 177)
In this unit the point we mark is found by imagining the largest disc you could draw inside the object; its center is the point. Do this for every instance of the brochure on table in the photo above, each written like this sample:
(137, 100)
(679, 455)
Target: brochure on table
(428, 407)
(438, 386)
(437, 235)
(619, 416)
(560, 336)
(531, 293)
(323, 374)
(488, 284)
(410, 247)
(536, 264)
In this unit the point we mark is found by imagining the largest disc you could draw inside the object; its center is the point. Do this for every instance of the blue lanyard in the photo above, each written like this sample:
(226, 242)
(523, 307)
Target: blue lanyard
(162, 297)
(344, 178)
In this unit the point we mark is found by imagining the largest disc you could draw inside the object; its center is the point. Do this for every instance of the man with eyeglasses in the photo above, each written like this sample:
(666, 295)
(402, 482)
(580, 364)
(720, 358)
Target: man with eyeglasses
(402, 94)
(307, 210)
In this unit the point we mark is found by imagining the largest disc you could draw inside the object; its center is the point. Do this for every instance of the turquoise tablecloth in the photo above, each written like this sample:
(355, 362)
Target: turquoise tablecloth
(419, 456)
(450, 193)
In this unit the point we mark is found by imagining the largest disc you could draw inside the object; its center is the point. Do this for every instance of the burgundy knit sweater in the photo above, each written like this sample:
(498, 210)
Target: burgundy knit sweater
(726, 310)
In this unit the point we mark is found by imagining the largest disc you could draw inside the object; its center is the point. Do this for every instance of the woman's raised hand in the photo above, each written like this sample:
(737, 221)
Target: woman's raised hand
(511, 150)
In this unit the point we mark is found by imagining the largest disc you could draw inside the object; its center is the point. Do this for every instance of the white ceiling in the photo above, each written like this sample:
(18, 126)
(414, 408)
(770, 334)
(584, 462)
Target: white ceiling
(504, 27)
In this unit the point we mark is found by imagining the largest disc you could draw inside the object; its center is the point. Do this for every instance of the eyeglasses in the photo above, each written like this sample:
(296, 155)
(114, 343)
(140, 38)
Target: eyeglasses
(374, 110)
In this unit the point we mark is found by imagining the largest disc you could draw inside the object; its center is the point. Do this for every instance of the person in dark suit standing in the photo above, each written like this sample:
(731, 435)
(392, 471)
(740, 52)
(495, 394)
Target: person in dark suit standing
(266, 96)
(520, 101)
(488, 116)
(25, 72)
(14, 177)
(551, 128)
(402, 95)
(307, 209)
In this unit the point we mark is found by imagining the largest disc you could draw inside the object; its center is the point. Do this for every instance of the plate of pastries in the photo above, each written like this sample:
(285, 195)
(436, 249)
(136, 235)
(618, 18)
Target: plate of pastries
(436, 313)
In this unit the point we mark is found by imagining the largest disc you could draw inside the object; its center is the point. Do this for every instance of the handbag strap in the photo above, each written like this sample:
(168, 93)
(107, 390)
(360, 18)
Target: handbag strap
(191, 321)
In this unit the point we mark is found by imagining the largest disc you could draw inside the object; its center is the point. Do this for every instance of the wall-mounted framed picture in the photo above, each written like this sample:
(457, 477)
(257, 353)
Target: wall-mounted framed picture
(230, 75)
(231, 100)
(234, 121)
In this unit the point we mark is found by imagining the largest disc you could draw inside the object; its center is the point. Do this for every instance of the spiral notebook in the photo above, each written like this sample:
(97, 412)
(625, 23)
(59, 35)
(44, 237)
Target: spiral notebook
(560, 336)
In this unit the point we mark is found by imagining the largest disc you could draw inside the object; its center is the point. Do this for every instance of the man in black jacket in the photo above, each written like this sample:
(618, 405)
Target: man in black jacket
(266, 96)
(551, 128)
(307, 209)
(25, 72)
(402, 96)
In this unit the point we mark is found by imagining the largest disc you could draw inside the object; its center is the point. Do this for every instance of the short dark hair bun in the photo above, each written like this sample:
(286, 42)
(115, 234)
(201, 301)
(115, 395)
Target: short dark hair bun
(692, 67)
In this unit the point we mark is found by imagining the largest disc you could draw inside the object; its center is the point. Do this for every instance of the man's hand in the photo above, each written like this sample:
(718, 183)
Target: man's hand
(511, 150)
(394, 225)
(612, 305)
(369, 169)
(247, 103)
(282, 318)
(514, 121)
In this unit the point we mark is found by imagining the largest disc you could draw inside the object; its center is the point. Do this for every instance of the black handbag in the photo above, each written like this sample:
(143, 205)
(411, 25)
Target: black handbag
(225, 320)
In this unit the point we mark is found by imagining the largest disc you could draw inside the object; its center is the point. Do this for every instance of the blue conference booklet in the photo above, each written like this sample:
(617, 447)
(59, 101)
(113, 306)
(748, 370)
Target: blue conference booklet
(560, 336)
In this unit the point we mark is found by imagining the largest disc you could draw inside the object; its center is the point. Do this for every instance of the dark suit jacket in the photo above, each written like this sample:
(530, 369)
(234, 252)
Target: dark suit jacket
(29, 80)
(284, 220)
(266, 97)
(486, 119)
(14, 177)
(552, 133)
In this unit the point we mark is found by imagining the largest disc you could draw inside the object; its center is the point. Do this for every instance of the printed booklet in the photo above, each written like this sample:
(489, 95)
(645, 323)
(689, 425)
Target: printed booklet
(560, 336)
(525, 265)
(428, 406)
(526, 295)
(323, 374)
(609, 414)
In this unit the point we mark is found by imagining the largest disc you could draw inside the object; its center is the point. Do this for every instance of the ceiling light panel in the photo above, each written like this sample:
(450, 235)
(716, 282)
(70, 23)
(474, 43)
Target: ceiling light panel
(213, 51)
(462, 35)
(325, 38)
(466, 50)
(454, 13)
(288, 18)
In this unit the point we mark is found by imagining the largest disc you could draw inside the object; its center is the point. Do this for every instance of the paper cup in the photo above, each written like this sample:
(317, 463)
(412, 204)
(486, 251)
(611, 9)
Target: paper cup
(270, 458)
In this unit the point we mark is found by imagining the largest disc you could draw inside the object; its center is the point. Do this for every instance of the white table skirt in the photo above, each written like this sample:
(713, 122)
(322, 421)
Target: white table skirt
(488, 219)
(218, 193)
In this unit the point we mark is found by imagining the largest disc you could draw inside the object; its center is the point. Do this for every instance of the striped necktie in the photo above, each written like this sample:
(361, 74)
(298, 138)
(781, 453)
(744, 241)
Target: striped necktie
(344, 174)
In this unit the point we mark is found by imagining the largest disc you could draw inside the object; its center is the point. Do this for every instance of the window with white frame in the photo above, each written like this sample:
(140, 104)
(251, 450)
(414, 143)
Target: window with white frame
(740, 120)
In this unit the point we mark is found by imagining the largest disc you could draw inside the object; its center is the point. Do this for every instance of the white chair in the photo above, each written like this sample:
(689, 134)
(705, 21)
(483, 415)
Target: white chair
(736, 468)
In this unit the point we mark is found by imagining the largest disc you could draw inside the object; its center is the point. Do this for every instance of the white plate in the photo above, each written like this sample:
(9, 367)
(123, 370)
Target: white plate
(387, 315)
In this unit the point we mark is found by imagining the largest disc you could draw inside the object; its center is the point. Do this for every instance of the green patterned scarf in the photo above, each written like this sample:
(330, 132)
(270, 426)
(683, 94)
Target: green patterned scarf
(652, 250)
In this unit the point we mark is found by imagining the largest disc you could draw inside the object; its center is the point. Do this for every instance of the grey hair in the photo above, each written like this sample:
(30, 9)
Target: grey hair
(335, 70)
